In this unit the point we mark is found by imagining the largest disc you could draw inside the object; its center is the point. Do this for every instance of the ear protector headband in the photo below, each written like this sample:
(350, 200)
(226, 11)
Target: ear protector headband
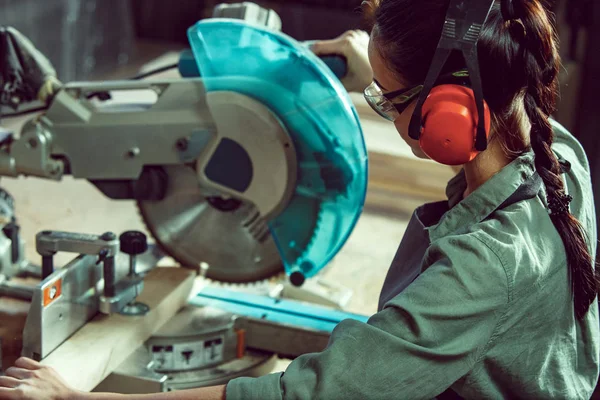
(442, 120)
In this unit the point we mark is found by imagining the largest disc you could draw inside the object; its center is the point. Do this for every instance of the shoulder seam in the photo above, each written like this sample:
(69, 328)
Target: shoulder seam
(509, 284)
(509, 287)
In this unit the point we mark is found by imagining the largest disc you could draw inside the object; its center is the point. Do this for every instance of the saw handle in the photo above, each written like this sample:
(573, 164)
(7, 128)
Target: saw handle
(337, 64)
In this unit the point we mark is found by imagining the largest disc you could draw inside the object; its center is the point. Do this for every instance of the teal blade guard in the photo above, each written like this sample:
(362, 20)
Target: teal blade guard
(321, 120)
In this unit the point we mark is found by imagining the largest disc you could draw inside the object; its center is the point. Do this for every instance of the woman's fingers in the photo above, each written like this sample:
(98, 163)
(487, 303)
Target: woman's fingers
(19, 373)
(27, 363)
(353, 45)
(10, 393)
(327, 47)
(9, 382)
(30, 380)
(341, 45)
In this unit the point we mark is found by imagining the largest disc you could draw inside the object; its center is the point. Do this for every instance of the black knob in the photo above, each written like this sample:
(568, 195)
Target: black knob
(133, 243)
(297, 278)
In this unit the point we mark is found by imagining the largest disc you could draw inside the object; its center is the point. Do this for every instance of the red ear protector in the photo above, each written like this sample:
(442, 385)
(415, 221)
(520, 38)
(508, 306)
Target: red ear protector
(449, 129)
(452, 122)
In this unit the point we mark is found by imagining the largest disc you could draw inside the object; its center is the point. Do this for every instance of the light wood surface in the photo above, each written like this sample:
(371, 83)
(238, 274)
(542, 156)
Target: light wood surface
(398, 185)
(98, 348)
(12, 321)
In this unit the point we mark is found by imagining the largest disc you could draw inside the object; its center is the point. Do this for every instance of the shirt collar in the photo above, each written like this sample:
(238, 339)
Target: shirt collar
(484, 200)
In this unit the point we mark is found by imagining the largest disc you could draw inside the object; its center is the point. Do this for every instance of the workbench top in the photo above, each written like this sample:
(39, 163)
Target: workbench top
(12, 320)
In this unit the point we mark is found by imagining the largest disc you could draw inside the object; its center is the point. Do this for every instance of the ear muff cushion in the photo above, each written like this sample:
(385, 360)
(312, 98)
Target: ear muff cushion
(450, 125)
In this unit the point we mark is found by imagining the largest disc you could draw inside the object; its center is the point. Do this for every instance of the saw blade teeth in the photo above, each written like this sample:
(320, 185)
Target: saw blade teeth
(311, 242)
(263, 286)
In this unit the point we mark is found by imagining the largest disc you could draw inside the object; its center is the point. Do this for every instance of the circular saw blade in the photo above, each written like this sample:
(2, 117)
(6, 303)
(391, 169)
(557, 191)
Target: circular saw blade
(195, 228)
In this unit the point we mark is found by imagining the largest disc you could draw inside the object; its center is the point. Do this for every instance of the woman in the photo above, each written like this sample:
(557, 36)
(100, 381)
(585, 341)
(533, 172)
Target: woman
(492, 294)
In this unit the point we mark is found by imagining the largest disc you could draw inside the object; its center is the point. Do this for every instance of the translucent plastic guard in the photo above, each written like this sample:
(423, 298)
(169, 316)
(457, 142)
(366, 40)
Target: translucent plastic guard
(321, 120)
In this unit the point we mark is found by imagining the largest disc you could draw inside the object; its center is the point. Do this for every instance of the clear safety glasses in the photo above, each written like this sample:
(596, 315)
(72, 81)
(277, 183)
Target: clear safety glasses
(390, 105)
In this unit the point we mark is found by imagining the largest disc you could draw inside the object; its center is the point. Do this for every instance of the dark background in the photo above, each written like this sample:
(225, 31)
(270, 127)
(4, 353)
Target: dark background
(86, 38)
(90, 38)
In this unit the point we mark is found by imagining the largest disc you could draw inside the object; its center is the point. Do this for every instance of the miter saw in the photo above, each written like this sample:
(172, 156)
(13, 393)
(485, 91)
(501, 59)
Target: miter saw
(256, 168)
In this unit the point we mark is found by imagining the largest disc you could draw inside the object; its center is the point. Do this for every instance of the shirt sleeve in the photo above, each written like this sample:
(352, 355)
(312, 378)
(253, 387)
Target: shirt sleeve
(424, 340)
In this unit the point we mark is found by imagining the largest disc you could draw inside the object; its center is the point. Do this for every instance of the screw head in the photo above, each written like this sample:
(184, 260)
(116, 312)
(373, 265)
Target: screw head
(182, 144)
(108, 236)
(133, 152)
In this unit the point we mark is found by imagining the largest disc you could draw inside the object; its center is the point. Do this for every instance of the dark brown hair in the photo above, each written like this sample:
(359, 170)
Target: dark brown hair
(519, 65)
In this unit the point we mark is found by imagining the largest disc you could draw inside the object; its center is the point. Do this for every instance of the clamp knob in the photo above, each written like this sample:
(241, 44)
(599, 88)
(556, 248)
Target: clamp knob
(133, 243)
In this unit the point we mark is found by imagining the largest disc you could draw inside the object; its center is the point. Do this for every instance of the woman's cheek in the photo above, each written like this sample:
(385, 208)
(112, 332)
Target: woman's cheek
(402, 123)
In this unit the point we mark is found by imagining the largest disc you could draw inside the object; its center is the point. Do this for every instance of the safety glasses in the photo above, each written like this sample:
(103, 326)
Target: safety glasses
(391, 105)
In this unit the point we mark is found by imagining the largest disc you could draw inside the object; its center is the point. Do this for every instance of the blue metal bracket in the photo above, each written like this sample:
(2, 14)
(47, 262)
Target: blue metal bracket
(281, 311)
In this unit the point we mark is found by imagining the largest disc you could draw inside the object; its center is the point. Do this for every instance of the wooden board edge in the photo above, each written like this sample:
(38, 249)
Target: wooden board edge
(103, 344)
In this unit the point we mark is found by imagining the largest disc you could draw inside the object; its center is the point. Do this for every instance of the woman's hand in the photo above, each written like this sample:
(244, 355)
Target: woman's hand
(354, 46)
(29, 379)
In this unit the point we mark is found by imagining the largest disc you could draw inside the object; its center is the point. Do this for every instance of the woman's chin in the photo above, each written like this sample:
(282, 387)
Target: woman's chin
(419, 153)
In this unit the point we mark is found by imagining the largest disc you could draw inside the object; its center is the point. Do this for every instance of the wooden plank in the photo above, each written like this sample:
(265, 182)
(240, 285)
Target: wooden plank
(98, 348)
(400, 184)
(12, 321)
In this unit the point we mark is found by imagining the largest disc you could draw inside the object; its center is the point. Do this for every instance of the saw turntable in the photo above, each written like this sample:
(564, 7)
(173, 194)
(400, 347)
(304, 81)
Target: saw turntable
(250, 168)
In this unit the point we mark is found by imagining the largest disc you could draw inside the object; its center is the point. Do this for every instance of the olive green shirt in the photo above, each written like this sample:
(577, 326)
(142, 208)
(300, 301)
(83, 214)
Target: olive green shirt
(491, 314)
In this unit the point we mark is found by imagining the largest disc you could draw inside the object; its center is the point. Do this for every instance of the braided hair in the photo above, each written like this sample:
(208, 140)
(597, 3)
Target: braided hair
(541, 62)
(519, 65)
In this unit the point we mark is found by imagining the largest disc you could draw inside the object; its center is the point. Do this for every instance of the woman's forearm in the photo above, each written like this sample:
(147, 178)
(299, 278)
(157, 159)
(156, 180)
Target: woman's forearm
(208, 393)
